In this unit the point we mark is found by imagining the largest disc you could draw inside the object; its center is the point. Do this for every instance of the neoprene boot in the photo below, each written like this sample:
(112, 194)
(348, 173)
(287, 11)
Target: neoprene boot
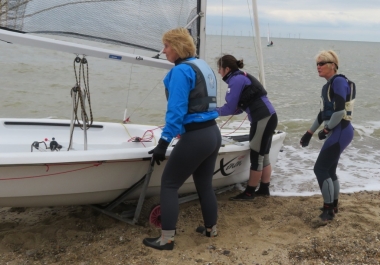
(164, 242)
(263, 189)
(335, 203)
(336, 206)
(209, 231)
(328, 212)
(247, 195)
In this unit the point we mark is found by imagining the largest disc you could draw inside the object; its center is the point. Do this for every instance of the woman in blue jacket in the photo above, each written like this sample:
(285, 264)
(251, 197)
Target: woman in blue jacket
(191, 93)
(245, 93)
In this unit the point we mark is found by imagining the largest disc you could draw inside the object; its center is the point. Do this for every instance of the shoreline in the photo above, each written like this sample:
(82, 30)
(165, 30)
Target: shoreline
(273, 230)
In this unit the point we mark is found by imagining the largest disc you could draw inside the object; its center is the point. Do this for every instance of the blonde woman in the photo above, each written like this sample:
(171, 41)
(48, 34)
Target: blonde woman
(191, 94)
(338, 96)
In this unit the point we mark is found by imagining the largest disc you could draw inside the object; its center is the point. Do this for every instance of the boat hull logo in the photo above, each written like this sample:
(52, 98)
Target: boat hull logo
(229, 167)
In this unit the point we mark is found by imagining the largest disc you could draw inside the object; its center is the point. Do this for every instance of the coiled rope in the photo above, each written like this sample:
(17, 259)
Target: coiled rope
(80, 96)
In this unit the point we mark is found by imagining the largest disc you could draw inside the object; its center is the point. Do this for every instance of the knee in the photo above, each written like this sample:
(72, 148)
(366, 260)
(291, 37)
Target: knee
(266, 161)
(257, 161)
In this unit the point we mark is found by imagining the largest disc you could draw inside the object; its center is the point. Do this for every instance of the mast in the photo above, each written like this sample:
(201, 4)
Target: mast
(258, 43)
(202, 4)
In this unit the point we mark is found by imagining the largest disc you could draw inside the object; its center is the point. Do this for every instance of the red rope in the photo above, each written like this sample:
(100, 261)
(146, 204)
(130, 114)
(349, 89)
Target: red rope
(147, 136)
(47, 175)
(236, 128)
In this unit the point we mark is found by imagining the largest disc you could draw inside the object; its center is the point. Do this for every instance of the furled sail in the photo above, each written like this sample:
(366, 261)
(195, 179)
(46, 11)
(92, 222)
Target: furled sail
(133, 23)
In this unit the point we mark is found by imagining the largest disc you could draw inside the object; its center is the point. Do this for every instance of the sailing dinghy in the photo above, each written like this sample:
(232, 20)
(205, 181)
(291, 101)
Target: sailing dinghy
(270, 43)
(51, 162)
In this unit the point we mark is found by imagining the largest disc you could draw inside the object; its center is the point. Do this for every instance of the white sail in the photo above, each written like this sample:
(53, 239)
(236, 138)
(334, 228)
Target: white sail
(109, 159)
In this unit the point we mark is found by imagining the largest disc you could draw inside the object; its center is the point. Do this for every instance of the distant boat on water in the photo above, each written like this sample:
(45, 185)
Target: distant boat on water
(270, 43)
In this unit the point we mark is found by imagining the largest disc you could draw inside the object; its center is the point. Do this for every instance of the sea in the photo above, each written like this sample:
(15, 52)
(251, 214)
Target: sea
(37, 83)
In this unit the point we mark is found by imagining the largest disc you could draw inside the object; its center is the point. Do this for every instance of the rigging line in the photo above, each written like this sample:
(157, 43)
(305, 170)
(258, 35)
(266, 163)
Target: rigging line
(221, 51)
(157, 56)
(158, 82)
(61, 5)
(129, 84)
(253, 30)
(179, 13)
(236, 128)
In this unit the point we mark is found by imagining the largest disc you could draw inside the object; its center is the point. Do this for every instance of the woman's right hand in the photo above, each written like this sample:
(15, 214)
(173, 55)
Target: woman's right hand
(306, 139)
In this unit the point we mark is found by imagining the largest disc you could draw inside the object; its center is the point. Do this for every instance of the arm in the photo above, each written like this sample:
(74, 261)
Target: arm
(179, 82)
(309, 133)
(318, 121)
(235, 86)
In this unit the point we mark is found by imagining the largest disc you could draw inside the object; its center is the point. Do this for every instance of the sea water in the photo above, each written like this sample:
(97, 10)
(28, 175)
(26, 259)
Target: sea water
(36, 83)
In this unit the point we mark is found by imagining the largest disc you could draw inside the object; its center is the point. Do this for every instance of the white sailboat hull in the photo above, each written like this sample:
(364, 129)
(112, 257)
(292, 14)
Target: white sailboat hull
(111, 164)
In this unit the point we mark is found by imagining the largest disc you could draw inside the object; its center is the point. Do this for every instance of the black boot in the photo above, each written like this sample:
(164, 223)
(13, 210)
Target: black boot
(209, 231)
(335, 207)
(247, 195)
(164, 242)
(328, 212)
(263, 189)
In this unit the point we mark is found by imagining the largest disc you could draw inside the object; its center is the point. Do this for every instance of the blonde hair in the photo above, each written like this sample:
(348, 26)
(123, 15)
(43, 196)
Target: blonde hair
(181, 41)
(328, 56)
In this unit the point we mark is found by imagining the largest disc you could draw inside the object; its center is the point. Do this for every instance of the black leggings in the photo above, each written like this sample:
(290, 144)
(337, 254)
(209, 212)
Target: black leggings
(195, 153)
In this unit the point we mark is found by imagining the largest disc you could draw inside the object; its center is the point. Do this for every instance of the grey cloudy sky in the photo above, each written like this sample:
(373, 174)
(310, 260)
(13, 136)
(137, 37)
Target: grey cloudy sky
(354, 20)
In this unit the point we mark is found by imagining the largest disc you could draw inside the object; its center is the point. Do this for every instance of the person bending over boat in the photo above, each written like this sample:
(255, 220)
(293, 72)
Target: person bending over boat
(191, 93)
(246, 93)
(337, 100)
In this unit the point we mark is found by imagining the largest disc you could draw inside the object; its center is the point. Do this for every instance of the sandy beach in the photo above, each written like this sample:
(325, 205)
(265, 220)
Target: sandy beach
(273, 230)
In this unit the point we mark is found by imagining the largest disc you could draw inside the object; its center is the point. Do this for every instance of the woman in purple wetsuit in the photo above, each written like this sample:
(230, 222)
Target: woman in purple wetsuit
(245, 93)
(337, 99)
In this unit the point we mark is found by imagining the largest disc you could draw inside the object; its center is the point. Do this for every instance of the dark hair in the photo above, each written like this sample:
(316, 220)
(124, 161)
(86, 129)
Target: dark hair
(230, 62)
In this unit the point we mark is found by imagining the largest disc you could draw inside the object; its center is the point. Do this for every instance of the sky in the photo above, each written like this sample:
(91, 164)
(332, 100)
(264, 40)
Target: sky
(351, 20)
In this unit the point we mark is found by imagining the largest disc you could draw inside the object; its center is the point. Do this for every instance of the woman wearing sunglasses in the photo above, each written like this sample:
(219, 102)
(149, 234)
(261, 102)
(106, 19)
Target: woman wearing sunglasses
(337, 99)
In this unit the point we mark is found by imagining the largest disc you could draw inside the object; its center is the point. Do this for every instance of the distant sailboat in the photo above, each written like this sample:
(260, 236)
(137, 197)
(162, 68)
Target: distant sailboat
(270, 43)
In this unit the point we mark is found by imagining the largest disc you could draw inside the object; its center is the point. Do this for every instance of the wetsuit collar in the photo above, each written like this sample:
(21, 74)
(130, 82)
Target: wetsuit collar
(331, 78)
(229, 74)
(180, 60)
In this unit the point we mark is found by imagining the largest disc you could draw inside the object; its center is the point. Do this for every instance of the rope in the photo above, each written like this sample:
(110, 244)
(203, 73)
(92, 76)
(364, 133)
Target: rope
(147, 136)
(80, 98)
(236, 128)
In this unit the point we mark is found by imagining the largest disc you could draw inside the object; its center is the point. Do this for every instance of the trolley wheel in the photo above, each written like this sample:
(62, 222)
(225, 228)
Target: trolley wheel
(155, 216)
(151, 212)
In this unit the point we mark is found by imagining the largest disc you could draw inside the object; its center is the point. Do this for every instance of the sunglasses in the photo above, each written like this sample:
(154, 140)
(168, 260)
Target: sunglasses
(322, 63)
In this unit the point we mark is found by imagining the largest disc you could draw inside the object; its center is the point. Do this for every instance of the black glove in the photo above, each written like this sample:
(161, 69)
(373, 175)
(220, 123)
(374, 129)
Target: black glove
(159, 151)
(306, 139)
(322, 133)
